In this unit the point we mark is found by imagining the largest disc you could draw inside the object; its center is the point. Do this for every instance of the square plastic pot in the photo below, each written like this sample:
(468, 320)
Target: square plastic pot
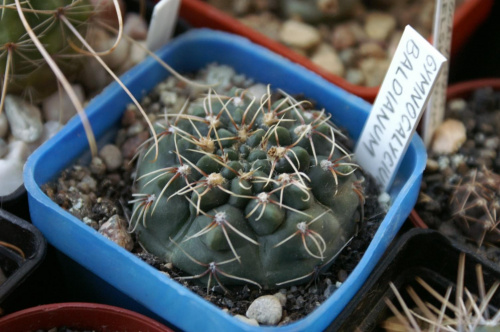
(142, 283)
(23, 235)
(424, 253)
(468, 17)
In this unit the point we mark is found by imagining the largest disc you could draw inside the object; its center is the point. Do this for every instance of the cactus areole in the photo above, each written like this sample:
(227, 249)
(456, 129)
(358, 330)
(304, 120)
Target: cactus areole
(247, 191)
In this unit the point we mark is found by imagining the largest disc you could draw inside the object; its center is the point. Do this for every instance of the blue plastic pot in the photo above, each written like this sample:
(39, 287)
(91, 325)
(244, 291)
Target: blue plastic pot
(142, 284)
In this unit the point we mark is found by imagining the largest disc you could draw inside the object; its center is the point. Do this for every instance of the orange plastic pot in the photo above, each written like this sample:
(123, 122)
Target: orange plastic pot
(458, 90)
(467, 19)
(80, 316)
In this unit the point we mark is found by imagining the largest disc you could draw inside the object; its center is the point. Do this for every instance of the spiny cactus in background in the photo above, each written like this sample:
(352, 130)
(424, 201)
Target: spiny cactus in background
(247, 191)
(469, 312)
(476, 206)
(22, 66)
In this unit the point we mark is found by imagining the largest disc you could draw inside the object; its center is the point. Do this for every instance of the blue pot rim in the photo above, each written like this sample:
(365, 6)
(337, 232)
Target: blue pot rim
(403, 199)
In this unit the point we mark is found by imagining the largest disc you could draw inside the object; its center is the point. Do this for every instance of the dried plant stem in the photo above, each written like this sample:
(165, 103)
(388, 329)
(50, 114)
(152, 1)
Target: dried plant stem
(61, 78)
(13, 247)
(115, 77)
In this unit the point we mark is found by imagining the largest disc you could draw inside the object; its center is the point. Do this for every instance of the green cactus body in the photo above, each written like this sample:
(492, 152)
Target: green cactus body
(476, 206)
(28, 71)
(244, 192)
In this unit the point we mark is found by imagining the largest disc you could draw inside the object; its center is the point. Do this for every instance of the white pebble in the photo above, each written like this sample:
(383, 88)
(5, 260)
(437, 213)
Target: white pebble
(281, 297)
(50, 128)
(327, 58)
(25, 119)
(58, 106)
(249, 321)
(379, 25)
(135, 26)
(299, 35)
(112, 156)
(11, 167)
(257, 90)
(384, 199)
(265, 310)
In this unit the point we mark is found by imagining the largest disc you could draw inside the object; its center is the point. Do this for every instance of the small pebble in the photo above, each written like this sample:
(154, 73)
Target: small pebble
(58, 106)
(374, 70)
(25, 119)
(281, 297)
(372, 49)
(299, 35)
(135, 26)
(249, 321)
(97, 166)
(130, 146)
(265, 310)
(116, 230)
(457, 104)
(384, 200)
(343, 37)
(432, 165)
(449, 137)
(327, 58)
(112, 156)
(11, 167)
(379, 25)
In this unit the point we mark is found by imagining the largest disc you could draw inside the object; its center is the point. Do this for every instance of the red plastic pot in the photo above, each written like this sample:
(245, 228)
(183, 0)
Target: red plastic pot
(77, 315)
(467, 18)
(458, 90)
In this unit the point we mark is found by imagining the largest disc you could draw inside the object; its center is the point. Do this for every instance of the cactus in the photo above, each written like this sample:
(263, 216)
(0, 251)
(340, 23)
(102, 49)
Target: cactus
(22, 66)
(469, 313)
(246, 191)
(476, 206)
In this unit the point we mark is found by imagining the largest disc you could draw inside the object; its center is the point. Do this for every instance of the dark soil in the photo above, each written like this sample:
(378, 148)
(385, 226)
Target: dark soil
(481, 115)
(100, 194)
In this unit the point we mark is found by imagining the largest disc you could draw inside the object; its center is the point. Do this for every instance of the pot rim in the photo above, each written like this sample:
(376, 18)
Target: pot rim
(79, 315)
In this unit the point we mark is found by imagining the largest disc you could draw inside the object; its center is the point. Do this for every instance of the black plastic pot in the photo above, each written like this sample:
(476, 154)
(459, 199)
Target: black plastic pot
(419, 252)
(25, 236)
(16, 203)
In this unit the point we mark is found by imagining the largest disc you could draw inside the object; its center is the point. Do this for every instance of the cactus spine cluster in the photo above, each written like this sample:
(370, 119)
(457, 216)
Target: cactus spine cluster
(469, 312)
(476, 206)
(247, 191)
(22, 66)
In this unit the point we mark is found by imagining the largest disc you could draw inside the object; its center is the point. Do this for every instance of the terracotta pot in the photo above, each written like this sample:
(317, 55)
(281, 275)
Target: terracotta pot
(468, 17)
(78, 315)
(458, 90)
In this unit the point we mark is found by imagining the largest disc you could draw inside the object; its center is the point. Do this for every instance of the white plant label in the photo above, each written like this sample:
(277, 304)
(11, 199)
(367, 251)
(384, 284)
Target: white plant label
(162, 24)
(443, 26)
(398, 107)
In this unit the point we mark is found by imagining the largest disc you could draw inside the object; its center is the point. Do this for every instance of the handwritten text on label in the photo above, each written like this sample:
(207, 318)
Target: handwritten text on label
(398, 107)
